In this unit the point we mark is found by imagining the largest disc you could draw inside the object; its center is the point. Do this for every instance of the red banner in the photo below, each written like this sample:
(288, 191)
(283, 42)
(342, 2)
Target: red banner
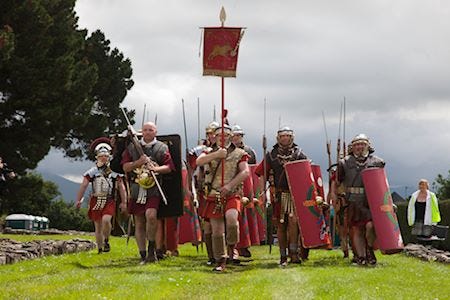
(220, 51)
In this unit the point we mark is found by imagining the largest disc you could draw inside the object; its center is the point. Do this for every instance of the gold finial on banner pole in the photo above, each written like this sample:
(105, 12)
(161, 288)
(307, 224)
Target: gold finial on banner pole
(223, 16)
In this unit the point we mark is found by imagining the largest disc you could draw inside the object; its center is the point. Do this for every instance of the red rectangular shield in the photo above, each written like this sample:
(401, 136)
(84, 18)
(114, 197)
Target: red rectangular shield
(260, 207)
(189, 226)
(303, 193)
(220, 51)
(389, 237)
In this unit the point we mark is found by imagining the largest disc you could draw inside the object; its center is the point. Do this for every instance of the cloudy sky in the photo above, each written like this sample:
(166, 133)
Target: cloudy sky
(389, 59)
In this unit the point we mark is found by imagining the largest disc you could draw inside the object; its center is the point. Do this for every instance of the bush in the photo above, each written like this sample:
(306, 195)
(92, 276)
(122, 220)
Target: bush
(65, 216)
(444, 209)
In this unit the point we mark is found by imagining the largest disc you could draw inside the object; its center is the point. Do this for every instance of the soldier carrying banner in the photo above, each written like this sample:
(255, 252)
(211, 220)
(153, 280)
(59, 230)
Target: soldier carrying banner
(223, 203)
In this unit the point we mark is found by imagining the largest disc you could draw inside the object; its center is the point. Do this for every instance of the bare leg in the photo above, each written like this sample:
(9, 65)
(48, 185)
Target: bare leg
(99, 235)
(208, 242)
(106, 228)
(151, 224)
(343, 235)
(370, 234)
(359, 240)
(160, 238)
(139, 233)
(218, 243)
(106, 223)
(232, 238)
(370, 237)
(282, 242)
(293, 232)
(150, 231)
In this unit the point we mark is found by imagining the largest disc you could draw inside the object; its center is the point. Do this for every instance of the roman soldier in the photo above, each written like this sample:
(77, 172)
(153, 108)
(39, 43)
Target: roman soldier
(336, 197)
(248, 226)
(223, 188)
(359, 216)
(238, 141)
(285, 150)
(199, 178)
(105, 183)
(145, 196)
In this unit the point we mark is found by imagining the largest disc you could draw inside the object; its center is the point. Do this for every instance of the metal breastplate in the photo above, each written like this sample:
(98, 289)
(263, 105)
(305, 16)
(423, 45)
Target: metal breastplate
(102, 186)
(354, 186)
(353, 168)
(277, 162)
(155, 152)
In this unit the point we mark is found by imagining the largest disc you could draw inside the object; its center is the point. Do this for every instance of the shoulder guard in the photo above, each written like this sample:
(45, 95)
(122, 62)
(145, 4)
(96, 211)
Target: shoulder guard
(197, 150)
(91, 173)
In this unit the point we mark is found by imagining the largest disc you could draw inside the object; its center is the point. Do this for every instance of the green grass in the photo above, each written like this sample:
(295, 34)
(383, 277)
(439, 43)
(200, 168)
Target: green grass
(117, 275)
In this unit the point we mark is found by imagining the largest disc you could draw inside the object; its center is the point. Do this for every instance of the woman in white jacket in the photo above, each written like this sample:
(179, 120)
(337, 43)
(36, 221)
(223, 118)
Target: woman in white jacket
(423, 210)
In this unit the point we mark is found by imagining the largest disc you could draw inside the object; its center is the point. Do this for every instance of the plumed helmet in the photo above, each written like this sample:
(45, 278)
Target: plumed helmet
(237, 130)
(103, 149)
(101, 146)
(212, 127)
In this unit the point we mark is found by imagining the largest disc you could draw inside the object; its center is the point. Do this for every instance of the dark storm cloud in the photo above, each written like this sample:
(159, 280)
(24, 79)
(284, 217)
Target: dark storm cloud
(388, 58)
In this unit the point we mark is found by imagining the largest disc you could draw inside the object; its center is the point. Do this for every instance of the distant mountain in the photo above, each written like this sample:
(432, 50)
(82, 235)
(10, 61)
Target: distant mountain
(67, 188)
(403, 191)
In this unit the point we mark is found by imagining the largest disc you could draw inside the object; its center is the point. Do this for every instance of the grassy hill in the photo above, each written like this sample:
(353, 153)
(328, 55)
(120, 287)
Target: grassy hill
(117, 275)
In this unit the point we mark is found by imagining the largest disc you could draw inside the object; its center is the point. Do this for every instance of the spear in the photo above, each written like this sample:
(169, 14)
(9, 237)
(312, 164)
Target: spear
(143, 115)
(328, 142)
(198, 121)
(187, 154)
(343, 136)
(338, 145)
(269, 234)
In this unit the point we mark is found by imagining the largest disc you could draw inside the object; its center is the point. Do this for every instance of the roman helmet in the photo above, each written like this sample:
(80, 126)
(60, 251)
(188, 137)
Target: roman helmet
(285, 130)
(236, 129)
(212, 127)
(362, 138)
(101, 146)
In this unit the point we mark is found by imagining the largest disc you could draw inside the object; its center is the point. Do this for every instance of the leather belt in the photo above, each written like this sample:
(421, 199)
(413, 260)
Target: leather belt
(355, 190)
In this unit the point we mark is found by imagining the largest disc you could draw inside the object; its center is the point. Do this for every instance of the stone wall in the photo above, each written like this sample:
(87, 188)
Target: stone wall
(427, 253)
(50, 231)
(13, 251)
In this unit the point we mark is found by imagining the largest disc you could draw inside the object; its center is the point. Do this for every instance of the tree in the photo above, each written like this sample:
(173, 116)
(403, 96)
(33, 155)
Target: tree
(65, 216)
(28, 194)
(442, 186)
(58, 87)
(32, 195)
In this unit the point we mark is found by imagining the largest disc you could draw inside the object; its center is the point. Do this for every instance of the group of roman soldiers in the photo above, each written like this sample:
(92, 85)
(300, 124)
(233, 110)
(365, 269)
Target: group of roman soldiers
(220, 172)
